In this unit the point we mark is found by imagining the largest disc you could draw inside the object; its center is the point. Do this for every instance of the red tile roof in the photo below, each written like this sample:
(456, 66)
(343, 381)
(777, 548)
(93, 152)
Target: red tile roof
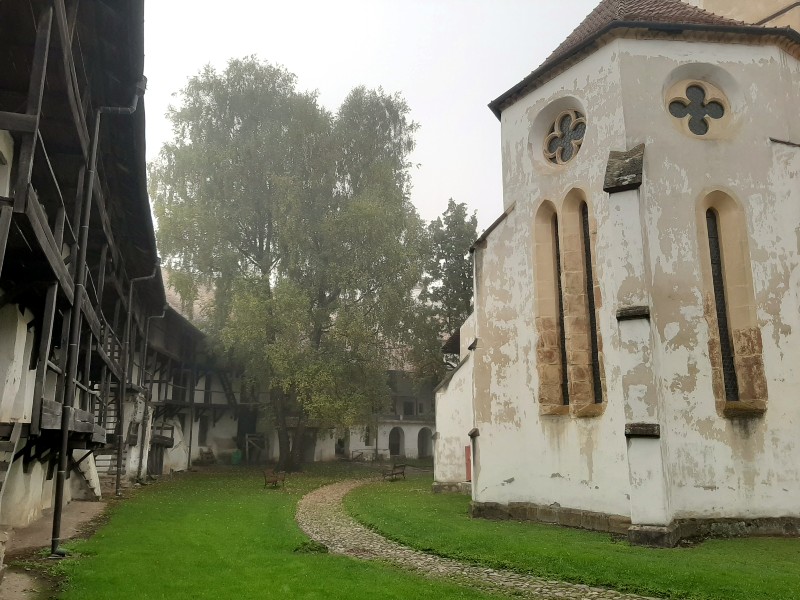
(631, 14)
(673, 12)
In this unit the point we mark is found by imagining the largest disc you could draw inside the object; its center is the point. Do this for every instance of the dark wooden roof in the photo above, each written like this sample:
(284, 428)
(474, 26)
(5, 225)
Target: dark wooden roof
(609, 16)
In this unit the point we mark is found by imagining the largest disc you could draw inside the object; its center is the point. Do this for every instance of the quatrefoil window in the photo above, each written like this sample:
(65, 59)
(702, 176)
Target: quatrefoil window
(565, 137)
(700, 106)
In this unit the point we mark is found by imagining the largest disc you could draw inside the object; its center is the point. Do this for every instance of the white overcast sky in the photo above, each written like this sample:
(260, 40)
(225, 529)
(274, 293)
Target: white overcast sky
(448, 58)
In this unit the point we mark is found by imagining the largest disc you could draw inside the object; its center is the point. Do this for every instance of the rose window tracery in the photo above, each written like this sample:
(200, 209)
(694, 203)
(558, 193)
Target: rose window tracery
(700, 106)
(565, 137)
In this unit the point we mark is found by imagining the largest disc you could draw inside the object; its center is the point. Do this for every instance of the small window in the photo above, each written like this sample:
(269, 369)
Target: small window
(701, 108)
(721, 306)
(589, 282)
(735, 347)
(565, 137)
(561, 330)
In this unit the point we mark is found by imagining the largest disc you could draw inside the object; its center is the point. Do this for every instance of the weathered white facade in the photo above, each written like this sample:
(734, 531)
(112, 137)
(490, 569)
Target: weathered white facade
(653, 439)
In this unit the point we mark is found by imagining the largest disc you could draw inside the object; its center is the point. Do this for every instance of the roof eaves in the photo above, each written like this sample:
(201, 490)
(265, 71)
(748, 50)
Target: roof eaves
(492, 227)
(539, 76)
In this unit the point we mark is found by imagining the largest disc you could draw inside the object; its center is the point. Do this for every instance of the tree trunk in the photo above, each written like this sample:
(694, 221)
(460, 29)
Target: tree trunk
(297, 445)
(284, 455)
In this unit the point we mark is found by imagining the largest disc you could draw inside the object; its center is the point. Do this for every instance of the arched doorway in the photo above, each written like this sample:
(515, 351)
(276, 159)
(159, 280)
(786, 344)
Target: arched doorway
(397, 442)
(424, 443)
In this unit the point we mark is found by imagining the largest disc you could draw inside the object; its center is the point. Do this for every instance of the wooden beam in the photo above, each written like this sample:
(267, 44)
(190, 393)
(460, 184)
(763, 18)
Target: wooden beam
(6, 211)
(34, 107)
(41, 229)
(48, 320)
(70, 77)
(18, 122)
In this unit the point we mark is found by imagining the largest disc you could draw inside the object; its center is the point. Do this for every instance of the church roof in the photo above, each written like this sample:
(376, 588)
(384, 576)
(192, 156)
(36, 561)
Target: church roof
(660, 15)
(650, 11)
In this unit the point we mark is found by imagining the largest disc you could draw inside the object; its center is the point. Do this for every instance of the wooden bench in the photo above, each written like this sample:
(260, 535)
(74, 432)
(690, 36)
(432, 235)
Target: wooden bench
(394, 472)
(273, 478)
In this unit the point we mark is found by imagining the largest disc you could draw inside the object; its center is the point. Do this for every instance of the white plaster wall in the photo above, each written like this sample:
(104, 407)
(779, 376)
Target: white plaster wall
(133, 410)
(712, 466)
(579, 463)
(177, 457)
(467, 335)
(84, 482)
(221, 437)
(453, 423)
(410, 438)
(325, 448)
(16, 379)
(26, 495)
(717, 466)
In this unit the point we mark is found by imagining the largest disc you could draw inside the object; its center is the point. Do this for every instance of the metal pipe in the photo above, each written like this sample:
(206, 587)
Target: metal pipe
(147, 397)
(75, 316)
(127, 374)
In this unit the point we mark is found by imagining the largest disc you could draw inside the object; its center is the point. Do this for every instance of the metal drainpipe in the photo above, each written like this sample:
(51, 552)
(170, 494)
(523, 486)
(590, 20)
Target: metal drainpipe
(147, 397)
(127, 367)
(75, 316)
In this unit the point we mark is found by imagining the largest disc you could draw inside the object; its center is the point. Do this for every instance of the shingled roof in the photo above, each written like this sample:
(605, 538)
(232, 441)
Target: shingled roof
(650, 11)
(629, 14)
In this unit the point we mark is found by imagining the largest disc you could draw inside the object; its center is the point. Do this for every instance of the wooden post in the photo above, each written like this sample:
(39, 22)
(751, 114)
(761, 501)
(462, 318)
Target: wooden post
(48, 321)
(33, 107)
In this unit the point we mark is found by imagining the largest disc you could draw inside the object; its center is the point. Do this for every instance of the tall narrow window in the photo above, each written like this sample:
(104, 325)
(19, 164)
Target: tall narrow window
(718, 282)
(550, 305)
(589, 283)
(561, 331)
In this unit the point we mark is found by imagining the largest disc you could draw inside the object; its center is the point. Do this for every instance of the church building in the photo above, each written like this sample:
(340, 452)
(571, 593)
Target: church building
(633, 360)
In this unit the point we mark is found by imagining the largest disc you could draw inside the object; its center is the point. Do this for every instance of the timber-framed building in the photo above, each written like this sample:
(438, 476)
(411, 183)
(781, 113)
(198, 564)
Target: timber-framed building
(97, 374)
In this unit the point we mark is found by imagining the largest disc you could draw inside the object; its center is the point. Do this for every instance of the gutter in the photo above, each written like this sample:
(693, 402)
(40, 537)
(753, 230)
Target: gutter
(538, 77)
(143, 438)
(127, 367)
(73, 349)
(780, 13)
(477, 243)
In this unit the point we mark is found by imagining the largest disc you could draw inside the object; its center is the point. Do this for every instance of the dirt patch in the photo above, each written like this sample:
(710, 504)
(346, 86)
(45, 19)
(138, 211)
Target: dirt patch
(25, 579)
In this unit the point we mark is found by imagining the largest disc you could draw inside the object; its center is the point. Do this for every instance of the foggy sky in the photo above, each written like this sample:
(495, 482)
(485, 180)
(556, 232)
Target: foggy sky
(448, 58)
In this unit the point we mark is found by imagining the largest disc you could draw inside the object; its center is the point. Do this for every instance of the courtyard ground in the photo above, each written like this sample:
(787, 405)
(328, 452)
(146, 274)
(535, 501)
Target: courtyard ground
(217, 533)
(729, 569)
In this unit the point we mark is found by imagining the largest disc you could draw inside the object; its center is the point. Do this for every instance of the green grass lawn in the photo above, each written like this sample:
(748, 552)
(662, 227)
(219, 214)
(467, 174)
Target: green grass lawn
(221, 535)
(746, 569)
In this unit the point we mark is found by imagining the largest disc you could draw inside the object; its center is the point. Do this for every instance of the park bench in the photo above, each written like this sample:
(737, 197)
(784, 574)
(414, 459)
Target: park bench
(395, 472)
(273, 478)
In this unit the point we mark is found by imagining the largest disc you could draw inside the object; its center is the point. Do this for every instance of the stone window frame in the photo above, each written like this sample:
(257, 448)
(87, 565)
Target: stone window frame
(580, 362)
(577, 118)
(550, 348)
(716, 127)
(744, 332)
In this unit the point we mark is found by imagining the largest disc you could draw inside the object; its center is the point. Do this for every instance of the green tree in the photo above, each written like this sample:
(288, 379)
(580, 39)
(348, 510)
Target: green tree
(447, 283)
(445, 298)
(300, 221)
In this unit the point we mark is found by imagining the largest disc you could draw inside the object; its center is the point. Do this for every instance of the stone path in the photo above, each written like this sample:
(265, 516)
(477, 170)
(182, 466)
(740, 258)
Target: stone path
(322, 517)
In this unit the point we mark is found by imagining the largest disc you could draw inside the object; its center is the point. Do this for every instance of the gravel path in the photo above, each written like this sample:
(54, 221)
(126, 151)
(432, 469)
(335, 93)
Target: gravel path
(322, 517)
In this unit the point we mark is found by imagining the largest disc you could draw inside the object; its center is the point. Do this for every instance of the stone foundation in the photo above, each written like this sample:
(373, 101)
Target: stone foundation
(644, 535)
(693, 529)
(463, 487)
(554, 513)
